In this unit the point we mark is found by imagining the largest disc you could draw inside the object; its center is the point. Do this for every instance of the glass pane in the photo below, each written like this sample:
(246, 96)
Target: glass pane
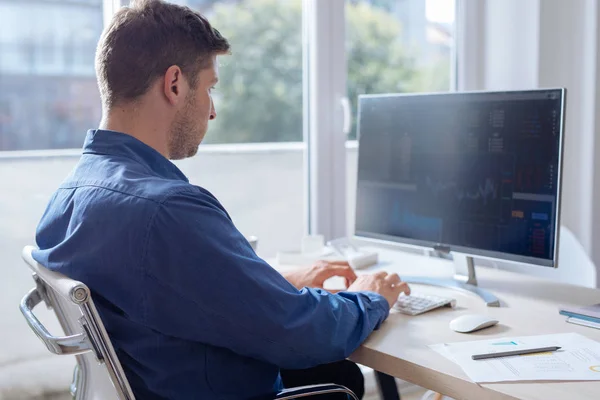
(259, 97)
(243, 160)
(48, 92)
(395, 46)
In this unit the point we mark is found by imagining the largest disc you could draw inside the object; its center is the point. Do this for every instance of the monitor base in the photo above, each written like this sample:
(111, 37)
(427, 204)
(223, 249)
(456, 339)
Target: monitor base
(464, 279)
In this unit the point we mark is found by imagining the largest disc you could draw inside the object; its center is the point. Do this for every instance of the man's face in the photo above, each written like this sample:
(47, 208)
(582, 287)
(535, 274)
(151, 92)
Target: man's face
(191, 121)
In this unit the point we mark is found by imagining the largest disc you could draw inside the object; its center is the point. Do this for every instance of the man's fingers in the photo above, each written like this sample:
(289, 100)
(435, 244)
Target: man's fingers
(344, 271)
(393, 279)
(380, 274)
(350, 278)
(339, 262)
(404, 288)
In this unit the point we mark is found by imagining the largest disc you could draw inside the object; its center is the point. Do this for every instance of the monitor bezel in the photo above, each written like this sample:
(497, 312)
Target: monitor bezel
(470, 251)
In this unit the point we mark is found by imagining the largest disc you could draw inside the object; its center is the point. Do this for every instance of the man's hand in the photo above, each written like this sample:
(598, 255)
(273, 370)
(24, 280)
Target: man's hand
(316, 275)
(389, 286)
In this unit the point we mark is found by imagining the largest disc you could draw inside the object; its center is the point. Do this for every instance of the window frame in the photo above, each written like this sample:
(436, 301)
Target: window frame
(325, 89)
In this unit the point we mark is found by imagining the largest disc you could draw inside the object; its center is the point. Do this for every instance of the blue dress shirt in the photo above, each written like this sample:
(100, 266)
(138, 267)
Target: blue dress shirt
(192, 311)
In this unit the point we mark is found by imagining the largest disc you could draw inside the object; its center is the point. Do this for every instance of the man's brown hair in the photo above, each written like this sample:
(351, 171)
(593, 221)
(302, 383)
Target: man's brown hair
(143, 40)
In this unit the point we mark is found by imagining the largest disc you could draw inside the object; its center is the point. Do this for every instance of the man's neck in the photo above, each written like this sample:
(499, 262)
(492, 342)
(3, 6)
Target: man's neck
(134, 124)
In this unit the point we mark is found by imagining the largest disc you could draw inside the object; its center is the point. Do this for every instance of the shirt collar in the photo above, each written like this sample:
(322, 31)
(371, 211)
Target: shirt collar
(100, 141)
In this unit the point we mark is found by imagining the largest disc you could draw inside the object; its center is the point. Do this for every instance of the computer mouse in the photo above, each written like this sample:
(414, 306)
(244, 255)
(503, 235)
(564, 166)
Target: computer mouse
(472, 322)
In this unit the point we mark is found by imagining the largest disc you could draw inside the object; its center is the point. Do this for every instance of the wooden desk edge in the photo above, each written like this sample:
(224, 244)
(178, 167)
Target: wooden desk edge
(428, 378)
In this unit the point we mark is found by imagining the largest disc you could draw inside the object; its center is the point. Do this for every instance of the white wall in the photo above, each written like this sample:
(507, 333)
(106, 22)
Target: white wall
(523, 44)
(511, 34)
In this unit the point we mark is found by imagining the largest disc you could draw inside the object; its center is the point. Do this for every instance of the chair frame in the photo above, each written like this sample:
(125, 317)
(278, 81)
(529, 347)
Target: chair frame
(51, 288)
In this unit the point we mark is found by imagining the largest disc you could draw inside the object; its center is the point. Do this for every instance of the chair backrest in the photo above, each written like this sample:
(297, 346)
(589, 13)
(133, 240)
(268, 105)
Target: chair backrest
(98, 374)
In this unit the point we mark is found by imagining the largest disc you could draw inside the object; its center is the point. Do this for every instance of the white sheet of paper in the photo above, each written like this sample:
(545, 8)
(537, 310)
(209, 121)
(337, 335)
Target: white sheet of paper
(577, 360)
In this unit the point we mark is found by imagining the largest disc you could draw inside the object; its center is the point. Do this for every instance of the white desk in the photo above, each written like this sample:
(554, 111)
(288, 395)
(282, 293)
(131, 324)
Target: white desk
(529, 306)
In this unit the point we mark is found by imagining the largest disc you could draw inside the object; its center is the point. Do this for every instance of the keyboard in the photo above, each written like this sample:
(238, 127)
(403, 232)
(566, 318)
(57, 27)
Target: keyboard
(416, 303)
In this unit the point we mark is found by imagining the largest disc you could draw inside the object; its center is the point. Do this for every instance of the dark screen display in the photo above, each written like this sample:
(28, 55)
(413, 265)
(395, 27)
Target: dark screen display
(472, 170)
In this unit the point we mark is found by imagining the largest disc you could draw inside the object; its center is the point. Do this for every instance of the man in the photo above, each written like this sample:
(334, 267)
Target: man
(191, 310)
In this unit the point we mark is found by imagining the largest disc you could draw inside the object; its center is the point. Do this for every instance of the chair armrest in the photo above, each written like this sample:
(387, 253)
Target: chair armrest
(74, 344)
(313, 390)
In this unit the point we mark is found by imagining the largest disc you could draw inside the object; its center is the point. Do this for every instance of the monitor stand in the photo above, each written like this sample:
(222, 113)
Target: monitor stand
(464, 279)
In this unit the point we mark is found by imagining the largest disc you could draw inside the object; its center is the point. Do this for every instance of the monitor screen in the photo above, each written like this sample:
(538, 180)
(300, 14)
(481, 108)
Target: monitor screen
(476, 173)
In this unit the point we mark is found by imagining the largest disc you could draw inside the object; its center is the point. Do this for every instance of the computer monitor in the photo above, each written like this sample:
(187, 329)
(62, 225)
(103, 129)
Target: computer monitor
(467, 173)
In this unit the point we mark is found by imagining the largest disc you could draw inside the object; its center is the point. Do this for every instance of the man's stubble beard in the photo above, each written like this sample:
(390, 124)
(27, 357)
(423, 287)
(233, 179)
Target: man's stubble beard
(184, 136)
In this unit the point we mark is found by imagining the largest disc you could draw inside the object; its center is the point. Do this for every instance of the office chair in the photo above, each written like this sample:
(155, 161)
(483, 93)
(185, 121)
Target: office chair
(98, 374)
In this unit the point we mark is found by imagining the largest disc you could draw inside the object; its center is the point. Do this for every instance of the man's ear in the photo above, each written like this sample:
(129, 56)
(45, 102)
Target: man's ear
(175, 87)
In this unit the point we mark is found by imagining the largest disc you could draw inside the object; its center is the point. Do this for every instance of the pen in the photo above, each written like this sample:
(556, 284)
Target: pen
(514, 353)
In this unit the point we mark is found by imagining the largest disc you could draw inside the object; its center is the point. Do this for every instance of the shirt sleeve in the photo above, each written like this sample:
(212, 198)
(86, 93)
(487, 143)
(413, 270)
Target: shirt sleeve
(209, 286)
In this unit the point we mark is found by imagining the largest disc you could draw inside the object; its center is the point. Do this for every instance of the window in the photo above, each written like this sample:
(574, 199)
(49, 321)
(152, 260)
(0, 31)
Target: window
(395, 46)
(253, 156)
(49, 99)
